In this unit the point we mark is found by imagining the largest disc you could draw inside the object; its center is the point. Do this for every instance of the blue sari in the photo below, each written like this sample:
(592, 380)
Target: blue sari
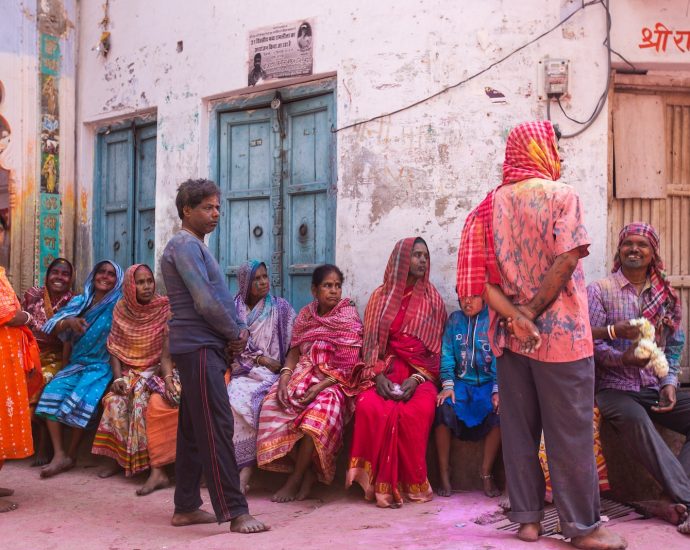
(72, 397)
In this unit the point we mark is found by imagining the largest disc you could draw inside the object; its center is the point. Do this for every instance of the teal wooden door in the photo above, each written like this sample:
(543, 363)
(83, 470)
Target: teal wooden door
(114, 217)
(277, 178)
(124, 209)
(145, 193)
(247, 149)
(308, 194)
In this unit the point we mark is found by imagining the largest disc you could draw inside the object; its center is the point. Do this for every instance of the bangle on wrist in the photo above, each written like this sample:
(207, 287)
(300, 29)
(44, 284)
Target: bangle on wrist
(28, 317)
(286, 370)
(418, 378)
(331, 379)
(167, 376)
(121, 379)
(611, 332)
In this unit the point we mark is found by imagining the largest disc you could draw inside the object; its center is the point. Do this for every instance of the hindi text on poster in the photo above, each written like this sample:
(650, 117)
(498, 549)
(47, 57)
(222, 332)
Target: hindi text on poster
(283, 50)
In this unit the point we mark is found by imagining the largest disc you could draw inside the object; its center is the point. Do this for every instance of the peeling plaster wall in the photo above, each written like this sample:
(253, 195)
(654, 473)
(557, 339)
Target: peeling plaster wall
(419, 172)
(19, 72)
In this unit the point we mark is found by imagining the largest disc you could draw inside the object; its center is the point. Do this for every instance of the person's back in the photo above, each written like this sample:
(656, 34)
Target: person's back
(535, 221)
(189, 330)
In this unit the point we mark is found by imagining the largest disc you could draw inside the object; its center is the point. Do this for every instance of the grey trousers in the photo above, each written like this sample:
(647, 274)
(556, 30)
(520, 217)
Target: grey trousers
(557, 398)
(631, 416)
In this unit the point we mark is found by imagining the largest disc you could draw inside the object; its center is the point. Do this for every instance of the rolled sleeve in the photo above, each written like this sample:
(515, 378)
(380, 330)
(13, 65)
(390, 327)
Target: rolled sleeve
(568, 228)
(673, 350)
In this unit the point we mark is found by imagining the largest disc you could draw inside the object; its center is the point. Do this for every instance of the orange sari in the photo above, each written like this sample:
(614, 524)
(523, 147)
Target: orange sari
(19, 364)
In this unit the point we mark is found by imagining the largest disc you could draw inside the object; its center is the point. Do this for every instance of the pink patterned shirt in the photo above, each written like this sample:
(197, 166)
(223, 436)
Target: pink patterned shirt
(535, 221)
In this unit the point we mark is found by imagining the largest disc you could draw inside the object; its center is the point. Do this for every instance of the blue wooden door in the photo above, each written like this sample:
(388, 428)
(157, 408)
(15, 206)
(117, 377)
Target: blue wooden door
(113, 219)
(145, 193)
(248, 153)
(277, 179)
(124, 209)
(308, 194)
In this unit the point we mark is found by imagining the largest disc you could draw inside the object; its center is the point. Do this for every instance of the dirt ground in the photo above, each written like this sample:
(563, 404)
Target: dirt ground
(78, 510)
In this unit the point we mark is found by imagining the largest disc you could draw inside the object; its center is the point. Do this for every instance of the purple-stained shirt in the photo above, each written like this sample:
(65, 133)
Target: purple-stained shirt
(612, 300)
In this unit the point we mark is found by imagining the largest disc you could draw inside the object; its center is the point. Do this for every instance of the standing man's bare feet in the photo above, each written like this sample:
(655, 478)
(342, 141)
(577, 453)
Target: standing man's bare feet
(288, 492)
(504, 502)
(307, 482)
(445, 489)
(6, 492)
(109, 469)
(490, 489)
(59, 464)
(158, 479)
(684, 527)
(672, 512)
(599, 539)
(245, 476)
(7, 506)
(191, 518)
(529, 532)
(247, 524)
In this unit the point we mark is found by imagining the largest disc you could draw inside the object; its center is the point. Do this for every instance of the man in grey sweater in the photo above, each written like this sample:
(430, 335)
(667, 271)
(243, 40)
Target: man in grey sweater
(203, 328)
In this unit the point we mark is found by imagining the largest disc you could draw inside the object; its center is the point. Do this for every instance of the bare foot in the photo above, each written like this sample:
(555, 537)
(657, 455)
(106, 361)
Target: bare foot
(529, 532)
(668, 511)
(158, 479)
(192, 518)
(247, 524)
(504, 502)
(684, 527)
(445, 490)
(7, 505)
(307, 482)
(56, 466)
(109, 469)
(40, 460)
(490, 489)
(600, 539)
(245, 476)
(6, 492)
(288, 492)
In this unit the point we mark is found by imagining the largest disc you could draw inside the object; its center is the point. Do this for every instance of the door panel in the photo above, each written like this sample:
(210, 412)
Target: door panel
(670, 215)
(308, 195)
(247, 147)
(145, 214)
(117, 165)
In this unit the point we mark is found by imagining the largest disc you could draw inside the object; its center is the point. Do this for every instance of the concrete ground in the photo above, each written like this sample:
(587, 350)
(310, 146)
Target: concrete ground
(78, 510)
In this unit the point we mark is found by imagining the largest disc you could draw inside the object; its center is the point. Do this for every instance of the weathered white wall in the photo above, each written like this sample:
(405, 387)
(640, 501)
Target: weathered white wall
(419, 172)
(19, 72)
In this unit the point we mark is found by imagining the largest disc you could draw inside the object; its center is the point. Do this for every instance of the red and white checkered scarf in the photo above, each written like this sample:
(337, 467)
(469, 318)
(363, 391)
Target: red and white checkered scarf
(136, 336)
(425, 315)
(664, 302)
(531, 152)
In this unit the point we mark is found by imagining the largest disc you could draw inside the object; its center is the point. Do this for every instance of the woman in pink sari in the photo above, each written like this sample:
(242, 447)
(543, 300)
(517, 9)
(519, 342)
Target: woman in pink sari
(302, 418)
(403, 326)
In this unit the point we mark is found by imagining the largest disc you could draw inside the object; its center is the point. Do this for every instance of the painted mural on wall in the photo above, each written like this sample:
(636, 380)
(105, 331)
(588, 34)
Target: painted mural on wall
(284, 50)
(50, 205)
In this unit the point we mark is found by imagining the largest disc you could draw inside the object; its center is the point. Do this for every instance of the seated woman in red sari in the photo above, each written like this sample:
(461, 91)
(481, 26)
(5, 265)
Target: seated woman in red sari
(403, 327)
(302, 417)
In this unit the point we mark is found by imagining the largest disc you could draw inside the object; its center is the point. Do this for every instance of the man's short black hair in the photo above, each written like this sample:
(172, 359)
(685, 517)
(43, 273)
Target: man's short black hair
(192, 192)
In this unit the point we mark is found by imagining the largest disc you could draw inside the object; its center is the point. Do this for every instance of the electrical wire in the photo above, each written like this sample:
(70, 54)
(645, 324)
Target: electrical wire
(475, 75)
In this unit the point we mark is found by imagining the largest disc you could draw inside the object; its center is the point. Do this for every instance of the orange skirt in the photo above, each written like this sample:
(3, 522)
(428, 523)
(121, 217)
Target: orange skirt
(161, 431)
(15, 417)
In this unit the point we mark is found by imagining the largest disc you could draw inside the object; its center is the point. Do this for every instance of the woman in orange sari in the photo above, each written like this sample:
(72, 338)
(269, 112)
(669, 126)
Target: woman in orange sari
(20, 376)
(403, 327)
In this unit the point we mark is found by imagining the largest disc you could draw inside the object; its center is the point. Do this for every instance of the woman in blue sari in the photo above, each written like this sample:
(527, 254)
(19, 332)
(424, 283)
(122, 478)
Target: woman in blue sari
(72, 397)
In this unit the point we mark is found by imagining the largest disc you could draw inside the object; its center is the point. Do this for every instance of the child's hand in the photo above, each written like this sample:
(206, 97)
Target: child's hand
(443, 395)
(495, 402)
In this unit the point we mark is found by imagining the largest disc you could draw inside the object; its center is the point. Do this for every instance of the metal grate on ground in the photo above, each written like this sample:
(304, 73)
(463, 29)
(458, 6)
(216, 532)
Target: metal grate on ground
(609, 508)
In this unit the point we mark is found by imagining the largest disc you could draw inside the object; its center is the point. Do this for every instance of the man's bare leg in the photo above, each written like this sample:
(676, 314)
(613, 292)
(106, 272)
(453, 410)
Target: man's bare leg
(192, 518)
(529, 532)
(288, 492)
(443, 442)
(42, 456)
(158, 479)
(61, 462)
(248, 524)
(599, 539)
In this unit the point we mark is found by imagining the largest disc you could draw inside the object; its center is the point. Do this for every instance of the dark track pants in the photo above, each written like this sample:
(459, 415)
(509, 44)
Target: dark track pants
(204, 437)
(557, 398)
(631, 416)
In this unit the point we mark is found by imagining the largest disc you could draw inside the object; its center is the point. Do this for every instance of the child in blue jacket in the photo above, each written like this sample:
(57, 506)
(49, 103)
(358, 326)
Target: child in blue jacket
(467, 405)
